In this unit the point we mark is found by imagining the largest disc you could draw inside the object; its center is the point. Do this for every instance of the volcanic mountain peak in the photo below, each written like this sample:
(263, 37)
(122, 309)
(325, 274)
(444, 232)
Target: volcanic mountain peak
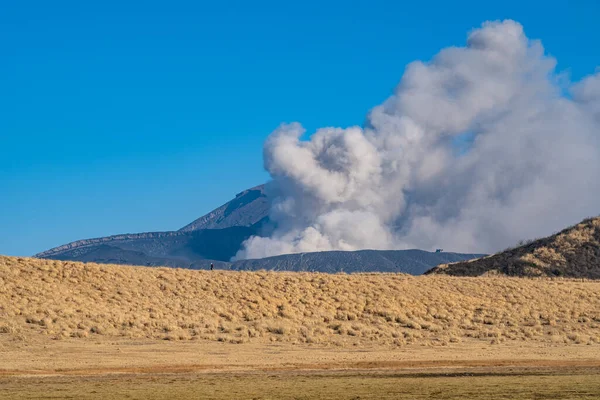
(225, 228)
(248, 208)
(216, 238)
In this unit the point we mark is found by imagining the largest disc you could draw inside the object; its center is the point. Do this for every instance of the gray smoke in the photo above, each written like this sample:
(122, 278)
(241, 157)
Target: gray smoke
(478, 148)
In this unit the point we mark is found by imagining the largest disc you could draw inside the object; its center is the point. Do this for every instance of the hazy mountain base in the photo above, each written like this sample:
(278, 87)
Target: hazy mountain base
(199, 249)
(69, 299)
(414, 262)
(573, 252)
(216, 237)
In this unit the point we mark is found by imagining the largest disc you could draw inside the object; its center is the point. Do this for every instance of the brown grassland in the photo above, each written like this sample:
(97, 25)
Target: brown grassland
(574, 252)
(73, 330)
(69, 299)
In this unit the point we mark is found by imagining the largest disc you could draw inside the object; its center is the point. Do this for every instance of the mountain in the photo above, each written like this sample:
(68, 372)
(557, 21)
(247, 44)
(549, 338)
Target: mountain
(217, 236)
(214, 237)
(573, 252)
(249, 208)
(414, 262)
(197, 250)
(173, 249)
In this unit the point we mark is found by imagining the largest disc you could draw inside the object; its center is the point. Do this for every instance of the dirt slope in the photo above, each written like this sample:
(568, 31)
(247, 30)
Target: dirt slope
(574, 252)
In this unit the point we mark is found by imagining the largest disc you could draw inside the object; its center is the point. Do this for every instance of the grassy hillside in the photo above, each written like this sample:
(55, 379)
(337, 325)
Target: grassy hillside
(70, 299)
(574, 252)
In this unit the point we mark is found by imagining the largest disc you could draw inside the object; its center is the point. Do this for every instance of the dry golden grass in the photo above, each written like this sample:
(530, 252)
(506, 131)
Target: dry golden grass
(68, 299)
(456, 385)
(574, 252)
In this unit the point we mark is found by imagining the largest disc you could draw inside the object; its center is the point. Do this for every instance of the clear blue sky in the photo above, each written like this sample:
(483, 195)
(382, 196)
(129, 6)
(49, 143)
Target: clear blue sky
(131, 116)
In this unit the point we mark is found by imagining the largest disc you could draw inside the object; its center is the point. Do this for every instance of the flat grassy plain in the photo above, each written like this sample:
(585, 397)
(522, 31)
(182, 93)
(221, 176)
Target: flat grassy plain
(351, 386)
(150, 369)
(88, 331)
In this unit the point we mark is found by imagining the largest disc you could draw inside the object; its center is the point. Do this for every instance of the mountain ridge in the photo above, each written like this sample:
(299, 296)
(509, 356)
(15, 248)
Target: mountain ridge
(216, 237)
(573, 252)
(248, 208)
(410, 261)
(101, 240)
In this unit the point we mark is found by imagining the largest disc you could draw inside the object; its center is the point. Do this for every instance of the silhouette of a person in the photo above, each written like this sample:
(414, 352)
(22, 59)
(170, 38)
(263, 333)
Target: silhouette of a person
(212, 266)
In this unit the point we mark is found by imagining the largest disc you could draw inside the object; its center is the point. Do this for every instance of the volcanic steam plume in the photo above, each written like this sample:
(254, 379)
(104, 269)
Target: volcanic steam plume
(478, 148)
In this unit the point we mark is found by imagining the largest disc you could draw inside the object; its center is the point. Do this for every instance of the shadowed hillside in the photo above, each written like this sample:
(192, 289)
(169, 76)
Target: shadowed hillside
(414, 262)
(215, 237)
(193, 249)
(574, 252)
(70, 299)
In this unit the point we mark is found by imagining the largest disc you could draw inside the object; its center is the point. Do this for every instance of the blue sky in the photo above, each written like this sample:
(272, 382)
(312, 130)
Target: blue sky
(143, 116)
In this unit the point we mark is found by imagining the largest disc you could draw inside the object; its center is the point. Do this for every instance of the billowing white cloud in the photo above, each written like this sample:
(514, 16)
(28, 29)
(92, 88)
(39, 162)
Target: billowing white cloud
(531, 167)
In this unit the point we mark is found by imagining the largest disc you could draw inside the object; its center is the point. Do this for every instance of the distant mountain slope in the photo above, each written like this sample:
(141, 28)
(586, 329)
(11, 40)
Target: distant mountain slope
(574, 252)
(175, 249)
(189, 250)
(82, 246)
(248, 208)
(414, 262)
(197, 250)
(216, 238)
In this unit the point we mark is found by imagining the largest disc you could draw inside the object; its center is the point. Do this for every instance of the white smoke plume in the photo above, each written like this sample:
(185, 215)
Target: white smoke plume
(478, 148)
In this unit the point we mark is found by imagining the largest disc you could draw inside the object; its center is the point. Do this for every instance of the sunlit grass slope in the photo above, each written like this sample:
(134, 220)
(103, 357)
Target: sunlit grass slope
(68, 299)
(573, 252)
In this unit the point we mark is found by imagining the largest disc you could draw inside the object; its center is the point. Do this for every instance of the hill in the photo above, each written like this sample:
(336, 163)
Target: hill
(573, 252)
(69, 299)
(414, 262)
